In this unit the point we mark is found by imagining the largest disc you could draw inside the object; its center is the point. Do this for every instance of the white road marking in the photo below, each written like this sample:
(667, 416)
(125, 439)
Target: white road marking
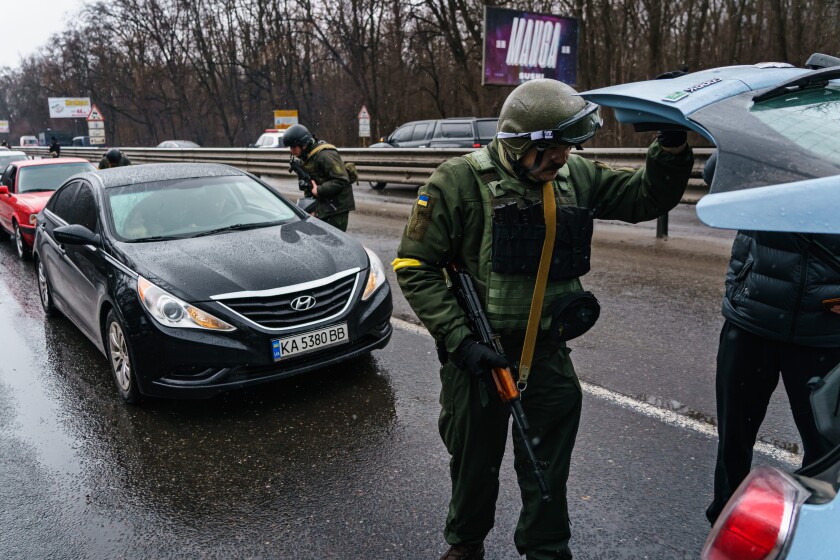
(663, 415)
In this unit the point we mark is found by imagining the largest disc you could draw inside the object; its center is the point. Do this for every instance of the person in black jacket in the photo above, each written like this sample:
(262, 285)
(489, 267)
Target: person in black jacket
(778, 322)
(55, 147)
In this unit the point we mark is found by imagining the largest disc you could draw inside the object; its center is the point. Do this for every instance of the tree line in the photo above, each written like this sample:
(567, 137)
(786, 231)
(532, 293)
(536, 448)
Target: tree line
(212, 71)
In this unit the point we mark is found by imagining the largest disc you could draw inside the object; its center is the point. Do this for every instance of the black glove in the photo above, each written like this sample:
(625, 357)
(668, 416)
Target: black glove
(477, 358)
(672, 138)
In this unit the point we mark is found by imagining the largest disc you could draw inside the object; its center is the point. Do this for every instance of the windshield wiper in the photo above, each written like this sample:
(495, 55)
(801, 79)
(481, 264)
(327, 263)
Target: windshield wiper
(156, 238)
(812, 80)
(36, 190)
(235, 227)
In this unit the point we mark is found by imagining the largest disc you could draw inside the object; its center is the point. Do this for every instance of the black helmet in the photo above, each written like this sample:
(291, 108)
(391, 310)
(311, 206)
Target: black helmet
(297, 135)
(113, 155)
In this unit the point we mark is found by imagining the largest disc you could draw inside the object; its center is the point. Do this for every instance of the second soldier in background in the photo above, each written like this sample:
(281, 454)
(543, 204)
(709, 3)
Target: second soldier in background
(331, 183)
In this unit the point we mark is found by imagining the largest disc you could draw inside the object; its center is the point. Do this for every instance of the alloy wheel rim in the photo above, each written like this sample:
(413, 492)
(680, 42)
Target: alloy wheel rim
(42, 285)
(119, 357)
(18, 241)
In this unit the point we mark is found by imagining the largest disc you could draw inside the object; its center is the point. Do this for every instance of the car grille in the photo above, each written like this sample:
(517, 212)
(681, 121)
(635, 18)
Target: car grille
(276, 312)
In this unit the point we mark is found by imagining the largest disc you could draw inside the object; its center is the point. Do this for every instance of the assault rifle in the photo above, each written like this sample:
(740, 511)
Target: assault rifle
(307, 203)
(464, 290)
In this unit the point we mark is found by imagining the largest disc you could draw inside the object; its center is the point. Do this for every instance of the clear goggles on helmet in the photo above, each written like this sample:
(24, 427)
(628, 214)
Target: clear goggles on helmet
(575, 130)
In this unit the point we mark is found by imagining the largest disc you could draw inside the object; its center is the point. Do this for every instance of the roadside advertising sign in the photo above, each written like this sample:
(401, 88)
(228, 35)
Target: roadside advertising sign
(4, 127)
(364, 123)
(285, 118)
(69, 107)
(521, 46)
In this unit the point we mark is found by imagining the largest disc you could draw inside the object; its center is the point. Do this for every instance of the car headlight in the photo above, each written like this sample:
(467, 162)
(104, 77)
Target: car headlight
(376, 274)
(170, 311)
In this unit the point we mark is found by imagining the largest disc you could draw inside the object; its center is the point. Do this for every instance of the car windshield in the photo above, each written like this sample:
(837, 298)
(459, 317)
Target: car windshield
(6, 159)
(193, 207)
(48, 177)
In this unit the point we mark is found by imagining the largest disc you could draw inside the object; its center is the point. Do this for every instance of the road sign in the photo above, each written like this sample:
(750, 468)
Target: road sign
(364, 123)
(95, 115)
(285, 118)
(96, 125)
(4, 127)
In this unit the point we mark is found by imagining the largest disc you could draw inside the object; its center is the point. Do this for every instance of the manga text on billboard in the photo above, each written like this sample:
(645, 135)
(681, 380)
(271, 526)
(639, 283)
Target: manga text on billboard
(521, 46)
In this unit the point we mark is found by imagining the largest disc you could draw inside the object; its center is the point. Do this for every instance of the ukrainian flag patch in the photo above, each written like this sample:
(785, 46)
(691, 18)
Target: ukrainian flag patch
(423, 200)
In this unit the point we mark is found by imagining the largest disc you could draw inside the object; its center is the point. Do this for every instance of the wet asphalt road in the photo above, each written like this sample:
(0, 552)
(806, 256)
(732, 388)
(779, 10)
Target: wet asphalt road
(346, 462)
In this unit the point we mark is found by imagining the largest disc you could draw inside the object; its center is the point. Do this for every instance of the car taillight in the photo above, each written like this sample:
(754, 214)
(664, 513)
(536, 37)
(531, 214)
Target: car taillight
(476, 145)
(758, 519)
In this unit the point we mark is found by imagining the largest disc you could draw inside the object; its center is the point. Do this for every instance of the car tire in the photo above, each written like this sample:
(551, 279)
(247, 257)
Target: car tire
(377, 185)
(120, 359)
(23, 252)
(44, 290)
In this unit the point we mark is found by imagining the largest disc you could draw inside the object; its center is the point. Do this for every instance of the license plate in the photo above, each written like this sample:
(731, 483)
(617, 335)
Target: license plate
(309, 342)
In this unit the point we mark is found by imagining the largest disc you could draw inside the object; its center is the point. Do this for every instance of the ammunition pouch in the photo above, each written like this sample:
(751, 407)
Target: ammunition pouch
(516, 247)
(573, 315)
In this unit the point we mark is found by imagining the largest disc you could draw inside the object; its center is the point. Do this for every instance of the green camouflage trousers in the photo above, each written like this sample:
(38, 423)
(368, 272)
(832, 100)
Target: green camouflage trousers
(474, 425)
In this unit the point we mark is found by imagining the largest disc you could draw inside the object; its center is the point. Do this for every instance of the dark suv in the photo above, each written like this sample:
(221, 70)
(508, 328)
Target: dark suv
(469, 132)
(456, 132)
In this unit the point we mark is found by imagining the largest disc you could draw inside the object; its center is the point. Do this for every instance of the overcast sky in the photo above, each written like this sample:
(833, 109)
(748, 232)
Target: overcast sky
(28, 25)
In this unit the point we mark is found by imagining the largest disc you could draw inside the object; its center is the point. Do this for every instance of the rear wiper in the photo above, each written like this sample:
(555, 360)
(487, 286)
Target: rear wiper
(234, 227)
(812, 80)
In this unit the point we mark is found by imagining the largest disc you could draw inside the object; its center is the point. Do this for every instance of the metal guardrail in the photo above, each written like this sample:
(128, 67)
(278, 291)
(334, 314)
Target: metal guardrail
(389, 165)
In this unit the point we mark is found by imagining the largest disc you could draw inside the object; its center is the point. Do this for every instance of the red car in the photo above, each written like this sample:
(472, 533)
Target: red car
(25, 188)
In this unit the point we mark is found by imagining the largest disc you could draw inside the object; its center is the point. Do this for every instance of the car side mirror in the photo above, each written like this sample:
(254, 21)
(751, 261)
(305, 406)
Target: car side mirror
(252, 145)
(4, 189)
(75, 234)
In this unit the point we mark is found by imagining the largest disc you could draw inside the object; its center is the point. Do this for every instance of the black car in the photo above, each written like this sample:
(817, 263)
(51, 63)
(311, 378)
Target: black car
(195, 279)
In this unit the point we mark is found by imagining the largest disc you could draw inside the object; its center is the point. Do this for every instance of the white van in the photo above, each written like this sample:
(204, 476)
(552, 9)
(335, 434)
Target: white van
(272, 138)
(28, 141)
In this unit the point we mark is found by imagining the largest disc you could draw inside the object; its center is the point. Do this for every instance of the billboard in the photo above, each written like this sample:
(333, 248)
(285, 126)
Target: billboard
(69, 107)
(4, 127)
(521, 46)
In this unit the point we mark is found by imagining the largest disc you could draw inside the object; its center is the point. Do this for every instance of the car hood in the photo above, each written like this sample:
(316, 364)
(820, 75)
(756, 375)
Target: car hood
(251, 260)
(35, 200)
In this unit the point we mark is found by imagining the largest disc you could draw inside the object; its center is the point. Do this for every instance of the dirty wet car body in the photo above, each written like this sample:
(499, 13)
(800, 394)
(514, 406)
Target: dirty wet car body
(196, 279)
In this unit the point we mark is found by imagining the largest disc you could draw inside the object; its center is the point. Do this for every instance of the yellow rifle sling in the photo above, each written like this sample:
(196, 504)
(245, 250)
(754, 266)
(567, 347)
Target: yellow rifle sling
(550, 214)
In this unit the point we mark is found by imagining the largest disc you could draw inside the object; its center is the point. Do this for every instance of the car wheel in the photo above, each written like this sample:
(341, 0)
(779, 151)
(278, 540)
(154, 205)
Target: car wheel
(120, 359)
(20, 245)
(377, 185)
(44, 290)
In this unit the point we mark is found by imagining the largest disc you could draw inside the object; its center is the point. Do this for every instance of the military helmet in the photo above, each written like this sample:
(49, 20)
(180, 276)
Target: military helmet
(546, 112)
(113, 155)
(297, 135)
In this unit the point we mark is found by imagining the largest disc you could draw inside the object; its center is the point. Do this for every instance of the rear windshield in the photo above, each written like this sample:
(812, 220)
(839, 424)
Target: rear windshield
(48, 177)
(269, 140)
(792, 137)
(486, 129)
(809, 119)
(192, 207)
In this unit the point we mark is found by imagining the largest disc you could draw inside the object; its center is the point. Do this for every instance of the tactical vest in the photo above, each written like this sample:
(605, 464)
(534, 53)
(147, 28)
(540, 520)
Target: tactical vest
(508, 294)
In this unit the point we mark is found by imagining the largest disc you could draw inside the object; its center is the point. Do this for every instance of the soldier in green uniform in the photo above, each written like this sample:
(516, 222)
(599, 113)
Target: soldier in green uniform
(456, 221)
(113, 158)
(330, 182)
